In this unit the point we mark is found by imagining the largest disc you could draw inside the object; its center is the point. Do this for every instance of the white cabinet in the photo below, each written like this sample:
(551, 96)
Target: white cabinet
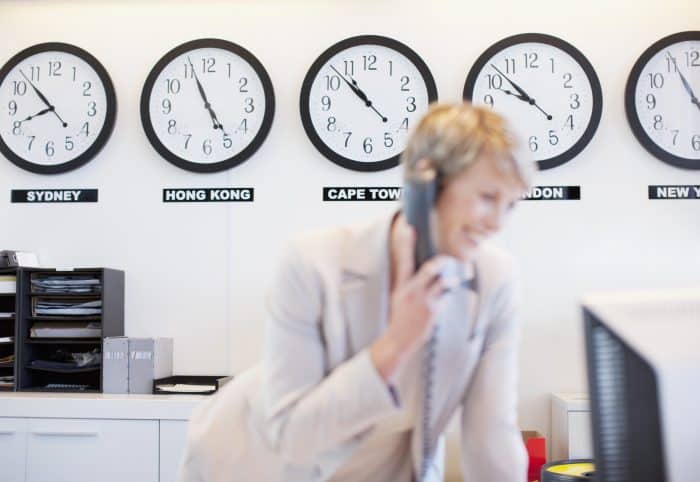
(61, 437)
(580, 441)
(77, 450)
(13, 439)
(571, 427)
(173, 435)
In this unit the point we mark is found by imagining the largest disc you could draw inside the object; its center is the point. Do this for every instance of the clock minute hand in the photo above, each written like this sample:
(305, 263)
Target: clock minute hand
(523, 95)
(44, 99)
(370, 103)
(686, 84)
(207, 105)
(358, 92)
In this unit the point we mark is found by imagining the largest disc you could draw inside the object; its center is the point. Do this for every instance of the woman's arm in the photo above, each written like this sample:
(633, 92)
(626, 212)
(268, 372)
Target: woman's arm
(307, 410)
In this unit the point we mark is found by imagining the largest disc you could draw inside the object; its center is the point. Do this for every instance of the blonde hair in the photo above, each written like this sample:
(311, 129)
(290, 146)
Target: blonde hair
(451, 137)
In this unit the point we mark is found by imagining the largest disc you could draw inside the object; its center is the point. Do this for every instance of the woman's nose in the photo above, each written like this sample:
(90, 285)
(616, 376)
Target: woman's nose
(494, 220)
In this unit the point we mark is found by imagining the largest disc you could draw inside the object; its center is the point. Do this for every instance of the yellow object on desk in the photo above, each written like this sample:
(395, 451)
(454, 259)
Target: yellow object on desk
(568, 470)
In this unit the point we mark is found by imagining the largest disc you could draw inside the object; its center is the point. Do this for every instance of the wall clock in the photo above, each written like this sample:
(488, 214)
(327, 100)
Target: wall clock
(360, 99)
(57, 108)
(661, 99)
(207, 105)
(546, 89)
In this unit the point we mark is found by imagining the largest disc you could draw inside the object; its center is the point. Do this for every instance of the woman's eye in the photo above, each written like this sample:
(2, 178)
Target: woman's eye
(487, 196)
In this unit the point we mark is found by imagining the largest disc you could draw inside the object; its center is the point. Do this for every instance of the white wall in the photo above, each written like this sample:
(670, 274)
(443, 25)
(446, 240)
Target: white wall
(198, 273)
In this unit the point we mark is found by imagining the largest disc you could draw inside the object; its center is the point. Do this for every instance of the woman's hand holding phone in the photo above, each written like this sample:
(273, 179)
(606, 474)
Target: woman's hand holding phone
(414, 301)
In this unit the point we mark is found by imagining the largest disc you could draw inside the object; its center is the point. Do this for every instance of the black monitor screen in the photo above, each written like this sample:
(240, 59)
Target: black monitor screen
(624, 409)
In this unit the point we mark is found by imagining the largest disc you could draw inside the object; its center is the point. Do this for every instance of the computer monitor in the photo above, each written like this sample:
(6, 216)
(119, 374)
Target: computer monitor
(643, 358)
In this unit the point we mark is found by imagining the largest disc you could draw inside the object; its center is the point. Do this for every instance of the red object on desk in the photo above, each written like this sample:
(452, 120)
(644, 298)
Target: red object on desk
(536, 453)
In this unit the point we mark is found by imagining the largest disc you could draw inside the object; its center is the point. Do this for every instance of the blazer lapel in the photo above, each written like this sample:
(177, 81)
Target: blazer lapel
(364, 283)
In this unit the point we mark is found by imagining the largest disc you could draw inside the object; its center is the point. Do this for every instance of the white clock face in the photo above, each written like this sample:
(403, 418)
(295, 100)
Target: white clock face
(361, 99)
(546, 94)
(54, 108)
(206, 106)
(666, 105)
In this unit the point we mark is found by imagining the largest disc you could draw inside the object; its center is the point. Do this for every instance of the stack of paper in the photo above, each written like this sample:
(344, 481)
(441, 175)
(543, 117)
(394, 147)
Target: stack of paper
(8, 284)
(7, 381)
(7, 361)
(185, 388)
(68, 329)
(63, 360)
(67, 307)
(66, 284)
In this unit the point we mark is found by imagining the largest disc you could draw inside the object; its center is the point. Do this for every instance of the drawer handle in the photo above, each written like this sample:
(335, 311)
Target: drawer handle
(64, 434)
(7, 432)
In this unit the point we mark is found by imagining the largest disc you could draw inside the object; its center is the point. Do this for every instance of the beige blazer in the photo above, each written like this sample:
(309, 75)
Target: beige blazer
(301, 413)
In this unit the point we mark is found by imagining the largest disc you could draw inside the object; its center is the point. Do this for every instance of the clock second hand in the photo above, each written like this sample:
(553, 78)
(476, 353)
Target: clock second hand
(523, 95)
(44, 100)
(358, 92)
(686, 85)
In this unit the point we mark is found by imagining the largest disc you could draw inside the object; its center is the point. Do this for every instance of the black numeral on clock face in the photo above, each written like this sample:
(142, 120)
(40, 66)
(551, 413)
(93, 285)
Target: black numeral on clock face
(531, 60)
(173, 86)
(209, 65)
(19, 88)
(55, 69)
(332, 82)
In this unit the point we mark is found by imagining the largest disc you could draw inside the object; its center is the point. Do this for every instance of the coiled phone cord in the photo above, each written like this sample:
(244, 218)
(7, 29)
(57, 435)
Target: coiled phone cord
(428, 371)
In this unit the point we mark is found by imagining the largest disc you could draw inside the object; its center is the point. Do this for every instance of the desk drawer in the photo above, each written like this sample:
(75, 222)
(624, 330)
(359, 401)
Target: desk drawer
(86, 450)
(13, 439)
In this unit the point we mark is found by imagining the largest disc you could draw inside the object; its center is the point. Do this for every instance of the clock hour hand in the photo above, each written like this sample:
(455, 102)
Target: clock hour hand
(522, 94)
(686, 85)
(207, 105)
(41, 112)
(519, 96)
(44, 99)
(358, 92)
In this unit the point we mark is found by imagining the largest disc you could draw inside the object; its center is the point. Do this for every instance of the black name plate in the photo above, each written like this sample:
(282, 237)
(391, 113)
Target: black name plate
(361, 193)
(674, 192)
(208, 195)
(54, 195)
(553, 193)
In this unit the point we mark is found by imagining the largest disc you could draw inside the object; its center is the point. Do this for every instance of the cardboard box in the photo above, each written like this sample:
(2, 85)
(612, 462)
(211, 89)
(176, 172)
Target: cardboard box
(115, 365)
(149, 358)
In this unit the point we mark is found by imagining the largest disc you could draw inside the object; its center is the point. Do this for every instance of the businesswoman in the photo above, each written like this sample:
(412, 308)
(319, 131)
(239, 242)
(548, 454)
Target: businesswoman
(368, 356)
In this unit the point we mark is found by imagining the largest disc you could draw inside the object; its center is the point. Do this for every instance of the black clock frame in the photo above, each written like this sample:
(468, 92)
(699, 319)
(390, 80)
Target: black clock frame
(110, 114)
(631, 109)
(254, 144)
(578, 56)
(315, 68)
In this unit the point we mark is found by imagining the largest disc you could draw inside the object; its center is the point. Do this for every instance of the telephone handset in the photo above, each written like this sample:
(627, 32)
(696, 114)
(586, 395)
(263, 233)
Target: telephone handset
(419, 197)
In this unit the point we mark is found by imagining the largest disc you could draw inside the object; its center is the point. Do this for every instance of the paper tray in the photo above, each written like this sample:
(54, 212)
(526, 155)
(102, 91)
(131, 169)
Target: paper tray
(216, 381)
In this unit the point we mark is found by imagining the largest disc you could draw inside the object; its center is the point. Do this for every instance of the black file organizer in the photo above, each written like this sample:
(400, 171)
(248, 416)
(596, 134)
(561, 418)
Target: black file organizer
(8, 327)
(112, 324)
